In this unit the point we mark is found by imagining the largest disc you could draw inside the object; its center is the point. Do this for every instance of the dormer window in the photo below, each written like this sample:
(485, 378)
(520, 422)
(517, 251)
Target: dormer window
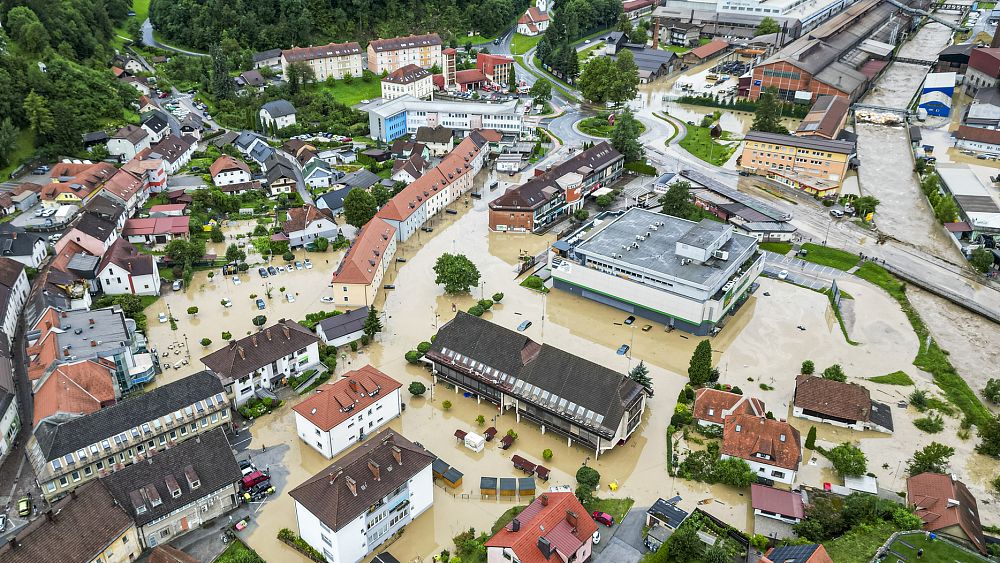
(782, 437)
(738, 427)
(711, 412)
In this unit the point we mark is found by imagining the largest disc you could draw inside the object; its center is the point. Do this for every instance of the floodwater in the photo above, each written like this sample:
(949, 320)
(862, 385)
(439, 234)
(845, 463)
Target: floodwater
(886, 156)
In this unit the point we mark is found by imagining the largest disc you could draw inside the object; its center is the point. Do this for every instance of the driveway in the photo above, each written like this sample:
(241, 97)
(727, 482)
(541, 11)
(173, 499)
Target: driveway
(622, 543)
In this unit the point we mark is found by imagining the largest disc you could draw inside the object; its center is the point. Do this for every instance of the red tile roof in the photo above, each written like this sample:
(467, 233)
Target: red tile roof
(157, 226)
(708, 49)
(124, 185)
(79, 388)
(745, 436)
(942, 501)
(301, 217)
(632, 5)
(365, 254)
(470, 76)
(848, 401)
(533, 15)
(227, 163)
(776, 501)
(713, 405)
(335, 402)
(558, 517)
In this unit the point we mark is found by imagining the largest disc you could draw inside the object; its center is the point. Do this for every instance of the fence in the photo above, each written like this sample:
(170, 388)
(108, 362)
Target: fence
(883, 551)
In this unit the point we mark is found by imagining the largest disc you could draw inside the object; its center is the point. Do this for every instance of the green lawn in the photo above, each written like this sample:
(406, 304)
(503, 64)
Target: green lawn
(506, 517)
(353, 93)
(591, 36)
(141, 9)
(937, 550)
(585, 54)
(894, 378)
(699, 143)
(238, 552)
(599, 127)
(776, 247)
(23, 150)
(859, 544)
(521, 44)
(832, 257)
(679, 49)
(616, 507)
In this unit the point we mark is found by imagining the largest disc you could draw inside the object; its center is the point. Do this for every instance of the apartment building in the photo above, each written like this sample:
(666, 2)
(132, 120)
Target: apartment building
(359, 276)
(387, 55)
(333, 59)
(67, 451)
(404, 115)
(409, 80)
(14, 288)
(812, 164)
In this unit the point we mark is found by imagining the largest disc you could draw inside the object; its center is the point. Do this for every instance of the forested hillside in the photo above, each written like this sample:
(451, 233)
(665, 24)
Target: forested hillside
(266, 24)
(55, 81)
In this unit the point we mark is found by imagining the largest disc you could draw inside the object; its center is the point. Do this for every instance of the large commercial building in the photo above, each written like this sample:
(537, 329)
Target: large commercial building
(387, 55)
(812, 164)
(579, 399)
(560, 190)
(335, 59)
(404, 115)
(834, 58)
(669, 270)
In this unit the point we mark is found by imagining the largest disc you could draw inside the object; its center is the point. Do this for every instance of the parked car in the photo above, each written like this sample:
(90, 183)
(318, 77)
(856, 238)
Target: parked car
(451, 211)
(254, 479)
(227, 303)
(272, 270)
(783, 274)
(260, 304)
(236, 280)
(298, 265)
(603, 518)
(24, 506)
(177, 285)
(262, 272)
(524, 326)
(290, 297)
(162, 317)
(326, 299)
(623, 349)
(3, 522)
(629, 320)
(247, 467)
(308, 264)
(836, 213)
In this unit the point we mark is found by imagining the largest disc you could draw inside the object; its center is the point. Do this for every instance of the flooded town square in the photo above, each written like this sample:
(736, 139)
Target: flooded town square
(760, 350)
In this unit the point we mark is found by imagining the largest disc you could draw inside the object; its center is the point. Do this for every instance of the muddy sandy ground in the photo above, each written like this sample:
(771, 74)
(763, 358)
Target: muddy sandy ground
(761, 343)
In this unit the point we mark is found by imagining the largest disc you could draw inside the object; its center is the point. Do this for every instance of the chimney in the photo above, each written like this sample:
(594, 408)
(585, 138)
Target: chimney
(72, 494)
(353, 385)
(333, 476)
(93, 343)
(544, 499)
(242, 353)
(286, 332)
(253, 340)
(66, 352)
(397, 454)
(571, 518)
(49, 516)
(545, 547)
(656, 33)
(375, 469)
(515, 525)
(352, 485)
(267, 334)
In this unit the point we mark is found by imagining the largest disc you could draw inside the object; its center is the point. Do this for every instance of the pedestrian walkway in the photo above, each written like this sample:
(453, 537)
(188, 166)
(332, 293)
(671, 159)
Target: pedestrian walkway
(818, 270)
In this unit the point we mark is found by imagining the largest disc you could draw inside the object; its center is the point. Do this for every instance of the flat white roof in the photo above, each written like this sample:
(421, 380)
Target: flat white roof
(863, 483)
(940, 80)
(409, 103)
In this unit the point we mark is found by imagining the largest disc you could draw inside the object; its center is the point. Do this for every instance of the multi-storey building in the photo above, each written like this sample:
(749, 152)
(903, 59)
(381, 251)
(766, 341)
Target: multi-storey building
(555, 524)
(404, 115)
(579, 399)
(227, 170)
(387, 55)
(560, 190)
(812, 164)
(353, 506)
(683, 274)
(67, 451)
(334, 59)
(358, 278)
(772, 448)
(14, 288)
(409, 80)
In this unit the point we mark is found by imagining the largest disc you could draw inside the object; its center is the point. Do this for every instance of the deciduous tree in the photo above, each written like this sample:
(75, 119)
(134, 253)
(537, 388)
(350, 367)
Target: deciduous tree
(933, 458)
(848, 459)
(766, 26)
(677, 201)
(36, 108)
(456, 273)
(359, 207)
(8, 141)
(625, 137)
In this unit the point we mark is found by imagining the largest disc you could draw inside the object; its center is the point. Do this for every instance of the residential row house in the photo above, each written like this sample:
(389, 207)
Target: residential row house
(67, 451)
(14, 288)
(359, 276)
(335, 60)
(10, 415)
(387, 55)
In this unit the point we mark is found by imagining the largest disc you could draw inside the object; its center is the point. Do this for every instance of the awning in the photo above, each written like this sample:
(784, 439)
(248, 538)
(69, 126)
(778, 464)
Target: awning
(601, 191)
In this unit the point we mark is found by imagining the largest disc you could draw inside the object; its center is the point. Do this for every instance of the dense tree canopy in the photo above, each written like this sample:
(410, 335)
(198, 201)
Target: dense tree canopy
(573, 20)
(76, 29)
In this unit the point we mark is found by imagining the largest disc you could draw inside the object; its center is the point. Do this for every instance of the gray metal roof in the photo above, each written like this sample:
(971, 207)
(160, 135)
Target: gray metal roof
(279, 108)
(813, 143)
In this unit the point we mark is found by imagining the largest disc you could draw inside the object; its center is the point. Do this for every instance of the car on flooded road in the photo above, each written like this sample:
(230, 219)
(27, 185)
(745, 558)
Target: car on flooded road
(272, 270)
(524, 326)
(262, 272)
(623, 349)
(260, 304)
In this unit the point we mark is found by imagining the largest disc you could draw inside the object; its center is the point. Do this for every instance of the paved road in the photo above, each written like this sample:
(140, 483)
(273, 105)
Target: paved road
(150, 40)
(300, 184)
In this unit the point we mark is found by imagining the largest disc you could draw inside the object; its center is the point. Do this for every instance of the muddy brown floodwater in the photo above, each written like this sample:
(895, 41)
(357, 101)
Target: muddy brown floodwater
(761, 344)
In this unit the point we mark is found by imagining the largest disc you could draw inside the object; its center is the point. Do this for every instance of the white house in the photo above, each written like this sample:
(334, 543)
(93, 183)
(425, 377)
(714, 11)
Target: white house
(155, 123)
(175, 152)
(535, 20)
(10, 418)
(308, 223)
(341, 330)
(319, 174)
(330, 426)
(277, 113)
(772, 448)
(124, 270)
(847, 405)
(14, 288)
(776, 504)
(27, 248)
(353, 506)
(259, 362)
(227, 170)
(408, 80)
(126, 142)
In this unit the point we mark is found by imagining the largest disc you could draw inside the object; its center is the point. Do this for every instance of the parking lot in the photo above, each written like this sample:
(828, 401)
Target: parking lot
(800, 272)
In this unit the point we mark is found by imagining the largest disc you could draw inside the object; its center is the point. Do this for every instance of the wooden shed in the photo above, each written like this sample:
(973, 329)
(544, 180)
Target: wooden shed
(526, 486)
(488, 486)
(508, 486)
(453, 478)
(439, 468)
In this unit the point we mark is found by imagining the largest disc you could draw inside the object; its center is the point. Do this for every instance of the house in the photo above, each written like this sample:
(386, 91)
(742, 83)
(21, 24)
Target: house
(270, 58)
(180, 489)
(748, 215)
(227, 170)
(977, 139)
(358, 278)
(554, 524)
(812, 164)
(27, 248)
(175, 152)
(333, 201)
(439, 139)
(308, 223)
(319, 174)
(89, 526)
(983, 70)
(141, 84)
(954, 58)
(387, 55)
(674, 31)
(350, 508)
(340, 330)
(167, 210)
(665, 513)
(124, 270)
(409, 80)
(848, 405)
(771, 447)
(93, 138)
(109, 209)
(409, 170)
(808, 553)
(280, 178)
(947, 508)
(250, 79)
(263, 359)
(67, 451)
(10, 417)
(26, 196)
(247, 141)
(262, 154)
(126, 142)
(984, 111)
(340, 155)
(826, 118)
(155, 123)
(192, 125)
(712, 406)
(344, 412)
(92, 233)
(635, 9)
(538, 381)
(533, 22)
(156, 230)
(75, 183)
(703, 53)
(14, 288)
(74, 389)
(652, 63)
(277, 114)
(129, 189)
(776, 504)
(362, 179)
(128, 64)
(498, 69)
(335, 60)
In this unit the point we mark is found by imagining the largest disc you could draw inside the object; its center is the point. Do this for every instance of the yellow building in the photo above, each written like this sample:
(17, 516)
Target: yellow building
(387, 55)
(812, 164)
(359, 276)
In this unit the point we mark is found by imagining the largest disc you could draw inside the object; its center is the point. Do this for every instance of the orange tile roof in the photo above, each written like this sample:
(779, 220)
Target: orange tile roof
(45, 349)
(80, 388)
(62, 257)
(714, 405)
(942, 501)
(226, 162)
(452, 167)
(335, 402)
(367, 250)
(124, 184)
(745, 436)
(549, 517)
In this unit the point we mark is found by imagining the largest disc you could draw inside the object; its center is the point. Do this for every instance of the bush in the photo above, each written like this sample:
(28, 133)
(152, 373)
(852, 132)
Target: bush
(546, 454)
(811, 438)
(365, 339)
(992, 391)
(588, 476)
(446, 405)
(497, 297)
(217, 236)
(480, 420)
(932, 423)
(423, 347)
(486, 304)
(206, 342)
(918, 398)
(682, 416)
(835, 372)
(226, 335)
(534, 282)
(808, 367)
(288, 256)
(412, 356)
(641, 168)
(354, 346)
(192, 310)
(417, 388)
(584, 494)
(476, 310)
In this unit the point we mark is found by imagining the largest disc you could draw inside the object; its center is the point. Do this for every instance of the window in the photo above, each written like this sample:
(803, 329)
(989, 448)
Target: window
(778, 474)
(50, 487)
(76, 476)
(326, 540)
(63, 481)
(87, 471)
(100, 465)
